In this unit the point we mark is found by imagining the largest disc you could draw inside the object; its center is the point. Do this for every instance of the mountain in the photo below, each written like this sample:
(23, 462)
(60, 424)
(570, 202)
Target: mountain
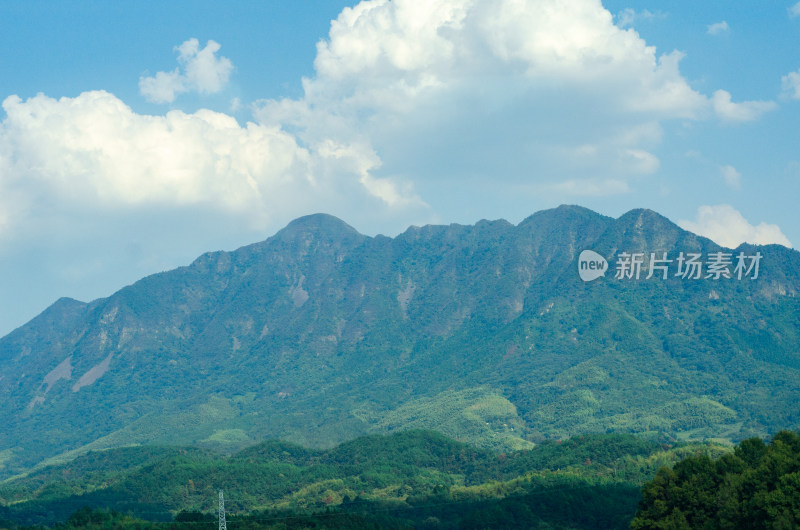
(485, 332)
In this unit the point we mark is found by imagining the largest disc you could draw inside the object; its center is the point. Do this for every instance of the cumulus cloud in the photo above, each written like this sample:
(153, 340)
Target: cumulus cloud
(791, 85)
(729, 111)
(474, 81)
(200, 70)
(733, 179)
(94, 150)
(718, 28)
(727, 227)
(164, 87)
(421, 48)
(468, 83)
(794, 10)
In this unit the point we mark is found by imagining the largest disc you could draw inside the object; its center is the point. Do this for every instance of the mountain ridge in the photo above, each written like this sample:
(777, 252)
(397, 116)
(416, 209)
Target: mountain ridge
(319, 334)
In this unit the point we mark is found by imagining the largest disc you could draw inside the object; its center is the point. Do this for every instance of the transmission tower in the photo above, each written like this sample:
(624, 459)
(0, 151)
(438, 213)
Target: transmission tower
(222, 525)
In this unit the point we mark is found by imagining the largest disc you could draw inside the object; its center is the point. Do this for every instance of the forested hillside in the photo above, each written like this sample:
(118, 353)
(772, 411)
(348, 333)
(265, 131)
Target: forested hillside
(411, 478)
(755, 486)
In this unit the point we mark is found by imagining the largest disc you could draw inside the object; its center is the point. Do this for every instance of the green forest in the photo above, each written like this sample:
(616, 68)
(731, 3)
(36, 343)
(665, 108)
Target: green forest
(757, 485)
(420, 479)
(409, 479)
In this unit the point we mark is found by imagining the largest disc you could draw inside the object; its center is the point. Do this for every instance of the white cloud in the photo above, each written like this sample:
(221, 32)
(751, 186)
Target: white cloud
(718, 28)
(791, 85)
(729, 111)
(164, 87)
(94, 151)
(202, 71)
(794, 11)
(727, 227)
(448, 82)
(733, 179)
(379, 50)
(628, 17)
(95, 145)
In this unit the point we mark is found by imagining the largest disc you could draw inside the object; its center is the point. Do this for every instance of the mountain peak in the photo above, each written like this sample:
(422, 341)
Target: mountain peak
(564, 213)
(63, 309)
(642, 222)
(321, 224)
(643, 230)
(645, 216)
(562, 230)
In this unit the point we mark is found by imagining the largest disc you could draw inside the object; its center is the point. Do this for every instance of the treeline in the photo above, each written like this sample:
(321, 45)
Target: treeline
(600, 506)
(421, 479)
(414, 478)
(755, 486)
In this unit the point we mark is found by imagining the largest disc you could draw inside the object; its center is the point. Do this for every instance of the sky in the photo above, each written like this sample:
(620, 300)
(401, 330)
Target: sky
(134, 136)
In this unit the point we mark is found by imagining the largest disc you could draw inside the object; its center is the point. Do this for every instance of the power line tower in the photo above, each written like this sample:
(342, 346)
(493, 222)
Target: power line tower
(222, 525)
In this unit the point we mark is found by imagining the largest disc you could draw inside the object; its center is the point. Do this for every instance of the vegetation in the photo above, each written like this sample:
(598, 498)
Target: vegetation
(755, 486)
(413, 478)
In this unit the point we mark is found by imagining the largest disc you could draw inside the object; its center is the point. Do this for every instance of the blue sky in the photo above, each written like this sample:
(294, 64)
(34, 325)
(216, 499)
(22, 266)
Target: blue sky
(136, 135)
